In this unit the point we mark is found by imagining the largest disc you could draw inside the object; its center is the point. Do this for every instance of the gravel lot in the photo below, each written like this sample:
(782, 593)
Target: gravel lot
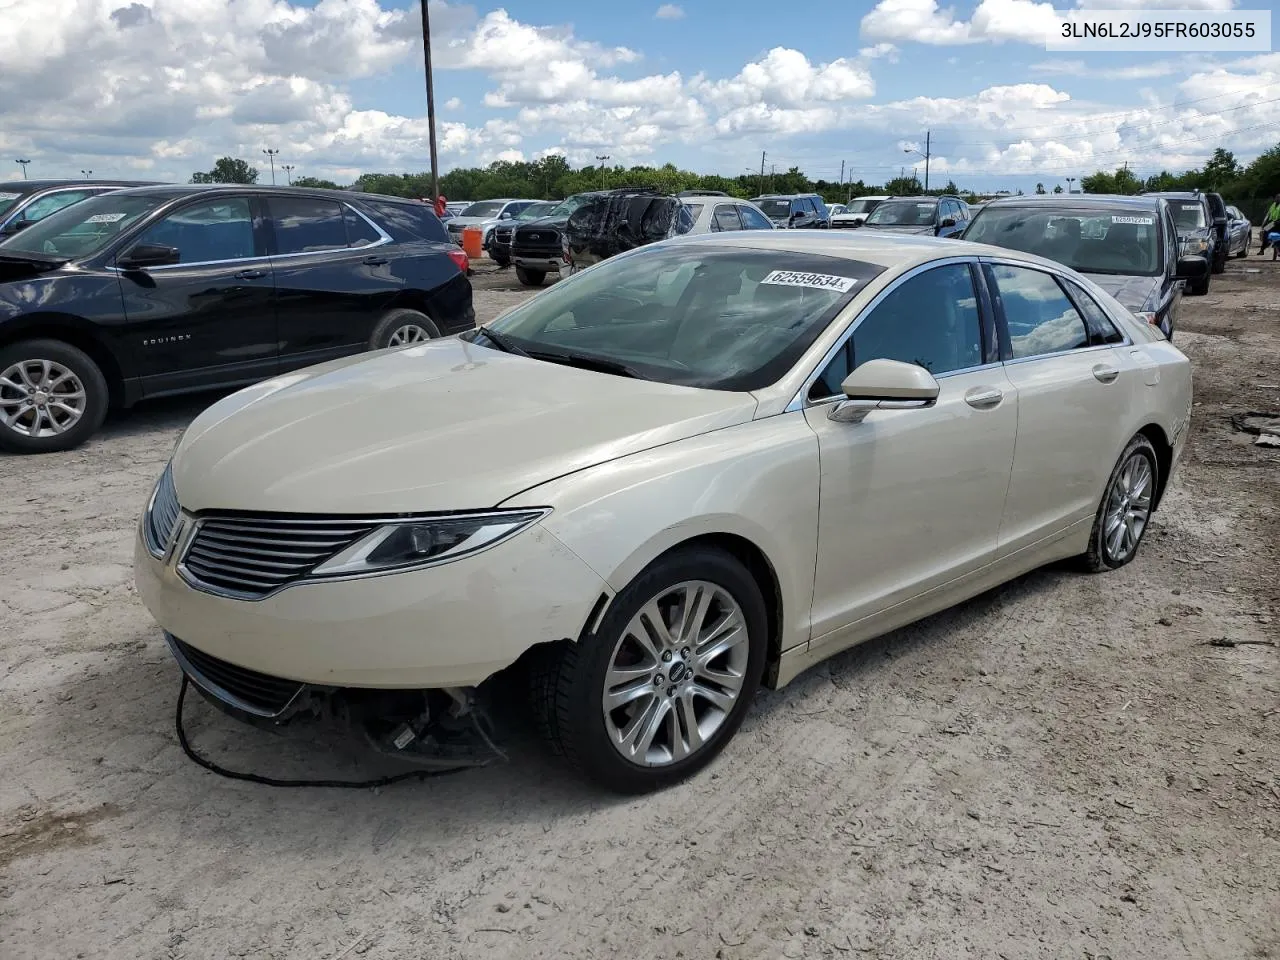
(1064, 767)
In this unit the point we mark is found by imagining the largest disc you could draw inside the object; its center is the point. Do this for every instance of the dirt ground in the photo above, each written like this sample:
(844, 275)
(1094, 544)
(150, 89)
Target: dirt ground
(1065, 767)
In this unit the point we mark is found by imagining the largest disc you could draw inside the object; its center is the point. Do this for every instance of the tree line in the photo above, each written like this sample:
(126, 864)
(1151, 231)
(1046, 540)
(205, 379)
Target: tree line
(552, 178)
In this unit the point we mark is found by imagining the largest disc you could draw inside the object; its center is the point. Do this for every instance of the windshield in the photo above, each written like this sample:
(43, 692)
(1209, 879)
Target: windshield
(861, 206)
(567, 206)
(86, 227)
(1188, 214)
(903, 213)
(777, 209)
(8, 198)
(487, 209)
(534, 211)
(1121, 242)
(702, 315)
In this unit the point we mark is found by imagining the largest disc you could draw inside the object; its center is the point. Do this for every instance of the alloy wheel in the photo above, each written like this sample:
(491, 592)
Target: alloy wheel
(409, 333)
(1128, 508)
(675, 674)
(40, 398)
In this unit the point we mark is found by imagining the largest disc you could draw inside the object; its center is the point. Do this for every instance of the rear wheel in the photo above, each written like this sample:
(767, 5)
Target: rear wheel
(1244, 251)
(530, 278)
(52, 397)
(1220, 259)
(1198, 288)
(656, 693)
(400, 328)
(1125, 510)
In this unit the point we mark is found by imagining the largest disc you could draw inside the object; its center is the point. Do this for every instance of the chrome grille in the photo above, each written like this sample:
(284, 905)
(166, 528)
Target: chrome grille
(502, 235)
(162, 516)
(250, 557)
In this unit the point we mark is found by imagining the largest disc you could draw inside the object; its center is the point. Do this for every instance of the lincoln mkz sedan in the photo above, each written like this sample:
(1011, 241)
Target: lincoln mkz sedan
(695, 468)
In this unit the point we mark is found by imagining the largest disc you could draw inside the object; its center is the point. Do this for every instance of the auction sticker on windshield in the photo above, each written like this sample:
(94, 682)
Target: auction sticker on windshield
(9, 196)
(1142, 221)
(106, 218)
(817, 281)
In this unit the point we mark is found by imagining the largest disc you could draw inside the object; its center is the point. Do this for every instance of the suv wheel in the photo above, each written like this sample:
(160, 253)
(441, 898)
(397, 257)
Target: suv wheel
(530, 278)
(1220, 259)
(399, 328)
(52, 397)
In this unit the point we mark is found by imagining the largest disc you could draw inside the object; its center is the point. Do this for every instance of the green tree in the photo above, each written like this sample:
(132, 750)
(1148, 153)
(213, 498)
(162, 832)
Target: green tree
(1057, 188)
(1040, 190)
(1123, 181)
(227, 170)
(903, 187)
(1221, 170)
(316, 182)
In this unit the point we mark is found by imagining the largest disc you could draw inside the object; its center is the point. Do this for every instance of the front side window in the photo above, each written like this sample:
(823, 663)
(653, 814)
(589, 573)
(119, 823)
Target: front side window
(931, 320)
(903, 213)
(83, 229)
(753, 219)
(1040, 318)
(718, 317)
(726, 217)
(206, 231)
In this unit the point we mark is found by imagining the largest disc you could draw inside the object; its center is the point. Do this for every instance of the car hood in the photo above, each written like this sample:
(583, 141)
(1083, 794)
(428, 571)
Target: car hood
(447, 425)
(461, 222)
(543, 223)
(849, 218)
(20, 265)
(901, 228)
(1132, 292)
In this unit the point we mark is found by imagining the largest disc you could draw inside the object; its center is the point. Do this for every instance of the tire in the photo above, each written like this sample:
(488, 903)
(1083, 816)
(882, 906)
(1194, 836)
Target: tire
(569, 681)
(1198, 289)
(1220, 261)
(1244, 251)
(500, 260)
(79, 384)
(530, 278)
(402, 327)
(1102, 553)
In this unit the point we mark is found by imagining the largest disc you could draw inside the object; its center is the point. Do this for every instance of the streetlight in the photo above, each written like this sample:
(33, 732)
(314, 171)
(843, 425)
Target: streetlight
(271, 155)
(926, 156)
(24, 168)
(86, 173)
(288, 171)
(431, 102)
(1070, 181)
(602, 159)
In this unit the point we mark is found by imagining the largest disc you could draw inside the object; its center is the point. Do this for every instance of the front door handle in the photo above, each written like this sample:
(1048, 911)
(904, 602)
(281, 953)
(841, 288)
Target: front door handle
(1105, 372)
(251, 274)
(984, 398)
(375, 261)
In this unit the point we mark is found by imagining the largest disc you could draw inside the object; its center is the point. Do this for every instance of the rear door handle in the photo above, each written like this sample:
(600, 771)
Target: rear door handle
(984, 398)
(1105, 372)
(375, 261)
(251, 274)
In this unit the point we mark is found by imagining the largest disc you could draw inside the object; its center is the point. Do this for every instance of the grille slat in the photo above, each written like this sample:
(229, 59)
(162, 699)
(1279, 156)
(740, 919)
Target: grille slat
(250, 557)
(269, 695)
(164, 512)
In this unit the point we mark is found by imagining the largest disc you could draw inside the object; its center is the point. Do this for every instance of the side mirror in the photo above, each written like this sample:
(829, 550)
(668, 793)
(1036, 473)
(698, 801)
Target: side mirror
(884, 385)
(505, 215)
(1192, 268)
(12, 228)
(948, 222)
(148, 255)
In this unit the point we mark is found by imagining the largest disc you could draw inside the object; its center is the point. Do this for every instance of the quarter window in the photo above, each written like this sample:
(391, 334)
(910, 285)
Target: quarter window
(207, 231)
(360, 233)
(726, 217)
(307, 224)
(1040, 318)
(931, 320)
(1101, 329)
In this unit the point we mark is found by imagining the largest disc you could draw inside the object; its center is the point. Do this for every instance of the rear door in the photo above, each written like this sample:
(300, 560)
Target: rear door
(208, 319)
(333, 275)
(752, 218)
(725, 217)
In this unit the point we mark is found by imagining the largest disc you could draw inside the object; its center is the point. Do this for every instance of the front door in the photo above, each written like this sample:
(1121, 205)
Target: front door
(911, 499)
(208, 319)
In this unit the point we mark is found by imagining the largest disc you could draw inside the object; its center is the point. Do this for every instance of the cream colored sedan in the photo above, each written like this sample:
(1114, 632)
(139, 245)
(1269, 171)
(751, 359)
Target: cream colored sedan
(692, 469)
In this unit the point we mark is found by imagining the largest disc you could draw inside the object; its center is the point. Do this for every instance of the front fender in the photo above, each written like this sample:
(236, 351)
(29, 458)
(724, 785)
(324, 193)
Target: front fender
(757, 481)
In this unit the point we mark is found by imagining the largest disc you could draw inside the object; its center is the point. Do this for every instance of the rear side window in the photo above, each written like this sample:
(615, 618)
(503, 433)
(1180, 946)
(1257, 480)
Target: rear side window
(307, 224)
(1101, 329)
(406, 222)
(1041, 319)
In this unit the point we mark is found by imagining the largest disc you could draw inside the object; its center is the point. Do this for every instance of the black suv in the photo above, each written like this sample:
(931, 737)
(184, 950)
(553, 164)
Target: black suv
(537, 248)
(794, 211)
(1201, 219)
(168, 289)
(24, 202)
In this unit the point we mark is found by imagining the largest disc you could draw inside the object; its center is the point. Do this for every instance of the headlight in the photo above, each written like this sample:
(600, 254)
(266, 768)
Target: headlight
(1195, 245)
(426, 541)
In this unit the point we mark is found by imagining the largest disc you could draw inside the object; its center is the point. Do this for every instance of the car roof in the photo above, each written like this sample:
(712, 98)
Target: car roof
(888, 250)
(173, 190)
(32, 186)
(1176, 194)
(783, 196)
(1146, 201)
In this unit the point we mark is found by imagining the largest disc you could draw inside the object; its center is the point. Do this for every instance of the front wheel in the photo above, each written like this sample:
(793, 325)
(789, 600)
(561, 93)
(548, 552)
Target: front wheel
(1125, 510)
(530, 278)
(656, 693)
(1220, 261)
(52, 397)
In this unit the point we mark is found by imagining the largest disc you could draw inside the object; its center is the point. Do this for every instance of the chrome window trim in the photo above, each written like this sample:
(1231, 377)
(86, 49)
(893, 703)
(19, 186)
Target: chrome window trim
(800, 400)
(1060, 275)
(385, 238)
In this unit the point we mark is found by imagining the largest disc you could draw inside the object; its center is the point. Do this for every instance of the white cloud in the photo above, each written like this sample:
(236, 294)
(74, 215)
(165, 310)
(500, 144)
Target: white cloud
(881, 51)
(669, 11)
(920, 21)
(453, 103)
(786, 78)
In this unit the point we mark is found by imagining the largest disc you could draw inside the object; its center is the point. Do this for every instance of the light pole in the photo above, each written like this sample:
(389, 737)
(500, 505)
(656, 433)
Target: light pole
(1070, 181)
(288, 171)
(927, 153)
(271, 155)
(602, 159)
(431, 102)
(24, 168)
(86, 174)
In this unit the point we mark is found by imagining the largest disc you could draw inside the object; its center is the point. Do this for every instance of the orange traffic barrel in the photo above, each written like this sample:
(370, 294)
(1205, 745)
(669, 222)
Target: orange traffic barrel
(473, 242)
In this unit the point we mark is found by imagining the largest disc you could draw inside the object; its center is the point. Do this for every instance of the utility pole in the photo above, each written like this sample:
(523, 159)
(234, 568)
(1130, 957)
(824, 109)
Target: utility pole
(761, 173)
(927, 154)
(1070, 181)
(24, 168)
(602, 159)
(271, 155)
(841, 174)
(773, 170)
(431, 102)
(288, 171)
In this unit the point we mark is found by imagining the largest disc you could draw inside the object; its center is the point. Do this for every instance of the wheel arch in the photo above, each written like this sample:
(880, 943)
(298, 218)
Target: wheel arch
(80, 334)
(1164, 457)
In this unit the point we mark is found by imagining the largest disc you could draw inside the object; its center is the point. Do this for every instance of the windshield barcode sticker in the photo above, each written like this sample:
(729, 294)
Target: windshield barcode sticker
(1141, 221)
(106, 218)
(818, 281)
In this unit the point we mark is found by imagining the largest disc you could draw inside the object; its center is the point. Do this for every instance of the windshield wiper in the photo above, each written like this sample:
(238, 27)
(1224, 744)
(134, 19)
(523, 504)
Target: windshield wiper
(502, 342)
(587, 362)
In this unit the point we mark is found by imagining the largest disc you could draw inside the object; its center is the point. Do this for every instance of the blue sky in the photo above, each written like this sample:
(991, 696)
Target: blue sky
(163, 87)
